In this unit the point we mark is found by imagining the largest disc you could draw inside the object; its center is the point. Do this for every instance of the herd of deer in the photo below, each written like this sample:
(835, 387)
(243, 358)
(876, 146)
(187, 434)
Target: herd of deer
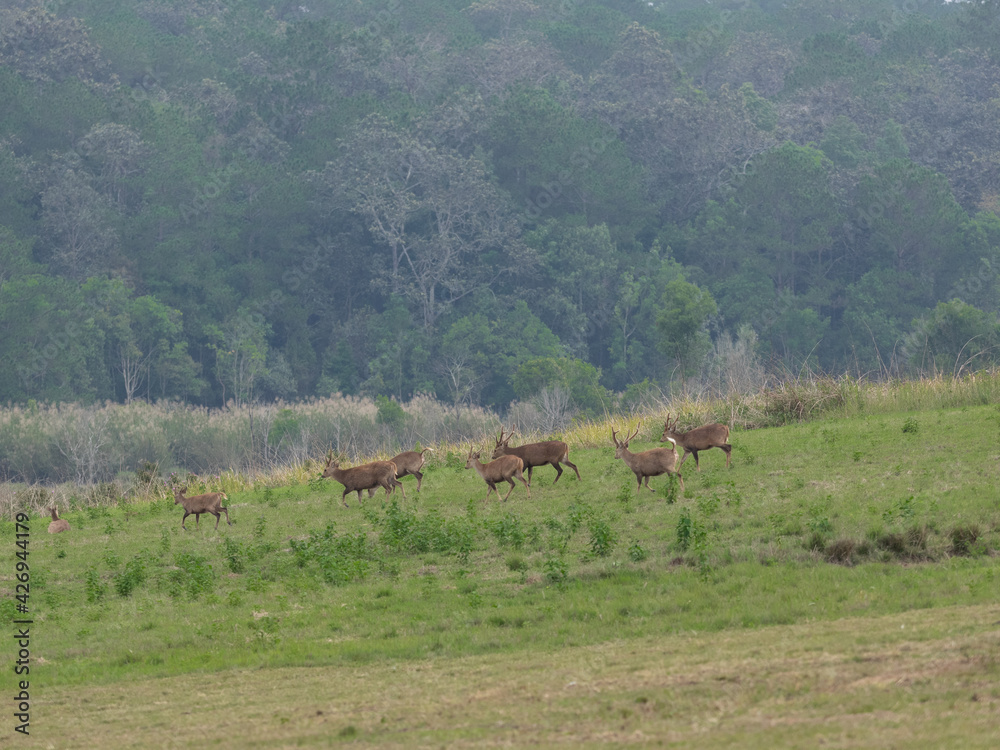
(508, 464)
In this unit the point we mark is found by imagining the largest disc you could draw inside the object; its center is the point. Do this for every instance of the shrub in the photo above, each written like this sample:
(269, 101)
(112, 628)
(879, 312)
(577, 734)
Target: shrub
(840, 551)
(964, 539)
(602, 538)
(131, 578)
(94, 586)
(193, 575)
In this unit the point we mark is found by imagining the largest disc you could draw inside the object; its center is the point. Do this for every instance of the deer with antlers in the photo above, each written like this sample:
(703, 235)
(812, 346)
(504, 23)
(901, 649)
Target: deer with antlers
(364, 477)
(551, 452)
(651, 463)
(503, 469)
(699, 439)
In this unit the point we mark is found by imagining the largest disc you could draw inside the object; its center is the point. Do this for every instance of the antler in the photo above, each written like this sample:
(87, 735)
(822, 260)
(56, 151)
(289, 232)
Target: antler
(633, 434)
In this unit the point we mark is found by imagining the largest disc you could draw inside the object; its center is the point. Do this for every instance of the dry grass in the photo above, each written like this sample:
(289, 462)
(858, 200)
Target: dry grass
(923, 679)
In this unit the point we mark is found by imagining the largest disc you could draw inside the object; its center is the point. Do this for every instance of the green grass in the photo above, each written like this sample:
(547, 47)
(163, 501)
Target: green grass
(853, 520)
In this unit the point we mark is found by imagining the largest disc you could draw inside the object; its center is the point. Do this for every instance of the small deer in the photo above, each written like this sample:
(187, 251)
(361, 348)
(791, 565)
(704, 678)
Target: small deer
(364, 477)
(551, 452)
(210, 502)
(699, 439)
(649, 463)
(58, 524)
(504, 469)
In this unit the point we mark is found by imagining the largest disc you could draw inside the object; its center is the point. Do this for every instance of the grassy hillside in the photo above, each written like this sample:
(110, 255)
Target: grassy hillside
(856, 520)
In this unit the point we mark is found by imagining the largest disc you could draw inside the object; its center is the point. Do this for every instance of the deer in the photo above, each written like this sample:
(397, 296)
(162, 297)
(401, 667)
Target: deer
(210, 502)
(364, 477)
(649, 463)
(408, 463)
(503, 469)
(699, 439)
(551, 452)
(58, 524)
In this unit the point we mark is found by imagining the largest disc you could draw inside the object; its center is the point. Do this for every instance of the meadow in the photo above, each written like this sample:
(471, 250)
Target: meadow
(836, 585)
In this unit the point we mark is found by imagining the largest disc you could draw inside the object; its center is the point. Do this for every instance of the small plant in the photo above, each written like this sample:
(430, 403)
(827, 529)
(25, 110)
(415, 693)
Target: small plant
(911, 426)
(556, 570)
(857, 456)
(670, 489)
(625, 494)
(94, 586)
(685, 530)
(507, 531)
(131, 578)
(708, 505)
(235, 555)
(516, 563)
(164, 541)
(602, 538)
(636, 552)
(260, 527)
(193, 575)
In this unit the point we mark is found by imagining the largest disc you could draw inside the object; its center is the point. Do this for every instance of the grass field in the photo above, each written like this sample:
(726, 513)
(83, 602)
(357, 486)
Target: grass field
(837, 586)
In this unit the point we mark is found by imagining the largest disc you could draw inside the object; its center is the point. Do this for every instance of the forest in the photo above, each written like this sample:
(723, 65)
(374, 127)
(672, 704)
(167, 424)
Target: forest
(221, 202)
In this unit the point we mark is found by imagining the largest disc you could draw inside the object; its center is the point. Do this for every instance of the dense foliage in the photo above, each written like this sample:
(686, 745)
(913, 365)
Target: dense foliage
(232, 201)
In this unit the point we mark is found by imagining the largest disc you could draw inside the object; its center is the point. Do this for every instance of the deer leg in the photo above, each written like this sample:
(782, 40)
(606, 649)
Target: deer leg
(527, 487)
(647, 485)
(684, 456)
(511, 480)
(343, 498)
(529, 474)
(396, 483)
(197, 518)
(371, 491)
(558, 471)
(573, 467)
(492, 488)
(638, 479)
(680, 479)
(186, 514)
(218, 517)
(729, 453)
(420, 477)
(226, 511)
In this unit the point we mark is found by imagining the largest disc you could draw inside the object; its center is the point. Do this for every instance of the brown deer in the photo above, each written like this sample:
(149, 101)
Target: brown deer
(504, 469)
(58, 524)
(699, 439)
(551, 452)
(210, 502)
(649, 463)
(364, 477)
(409, 463)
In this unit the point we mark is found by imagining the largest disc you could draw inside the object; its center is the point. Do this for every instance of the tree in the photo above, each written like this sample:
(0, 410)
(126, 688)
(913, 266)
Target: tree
(143, 340)
(241, 349)
(449, 231)
(953, 338)
(79, 225)
(682, 324)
